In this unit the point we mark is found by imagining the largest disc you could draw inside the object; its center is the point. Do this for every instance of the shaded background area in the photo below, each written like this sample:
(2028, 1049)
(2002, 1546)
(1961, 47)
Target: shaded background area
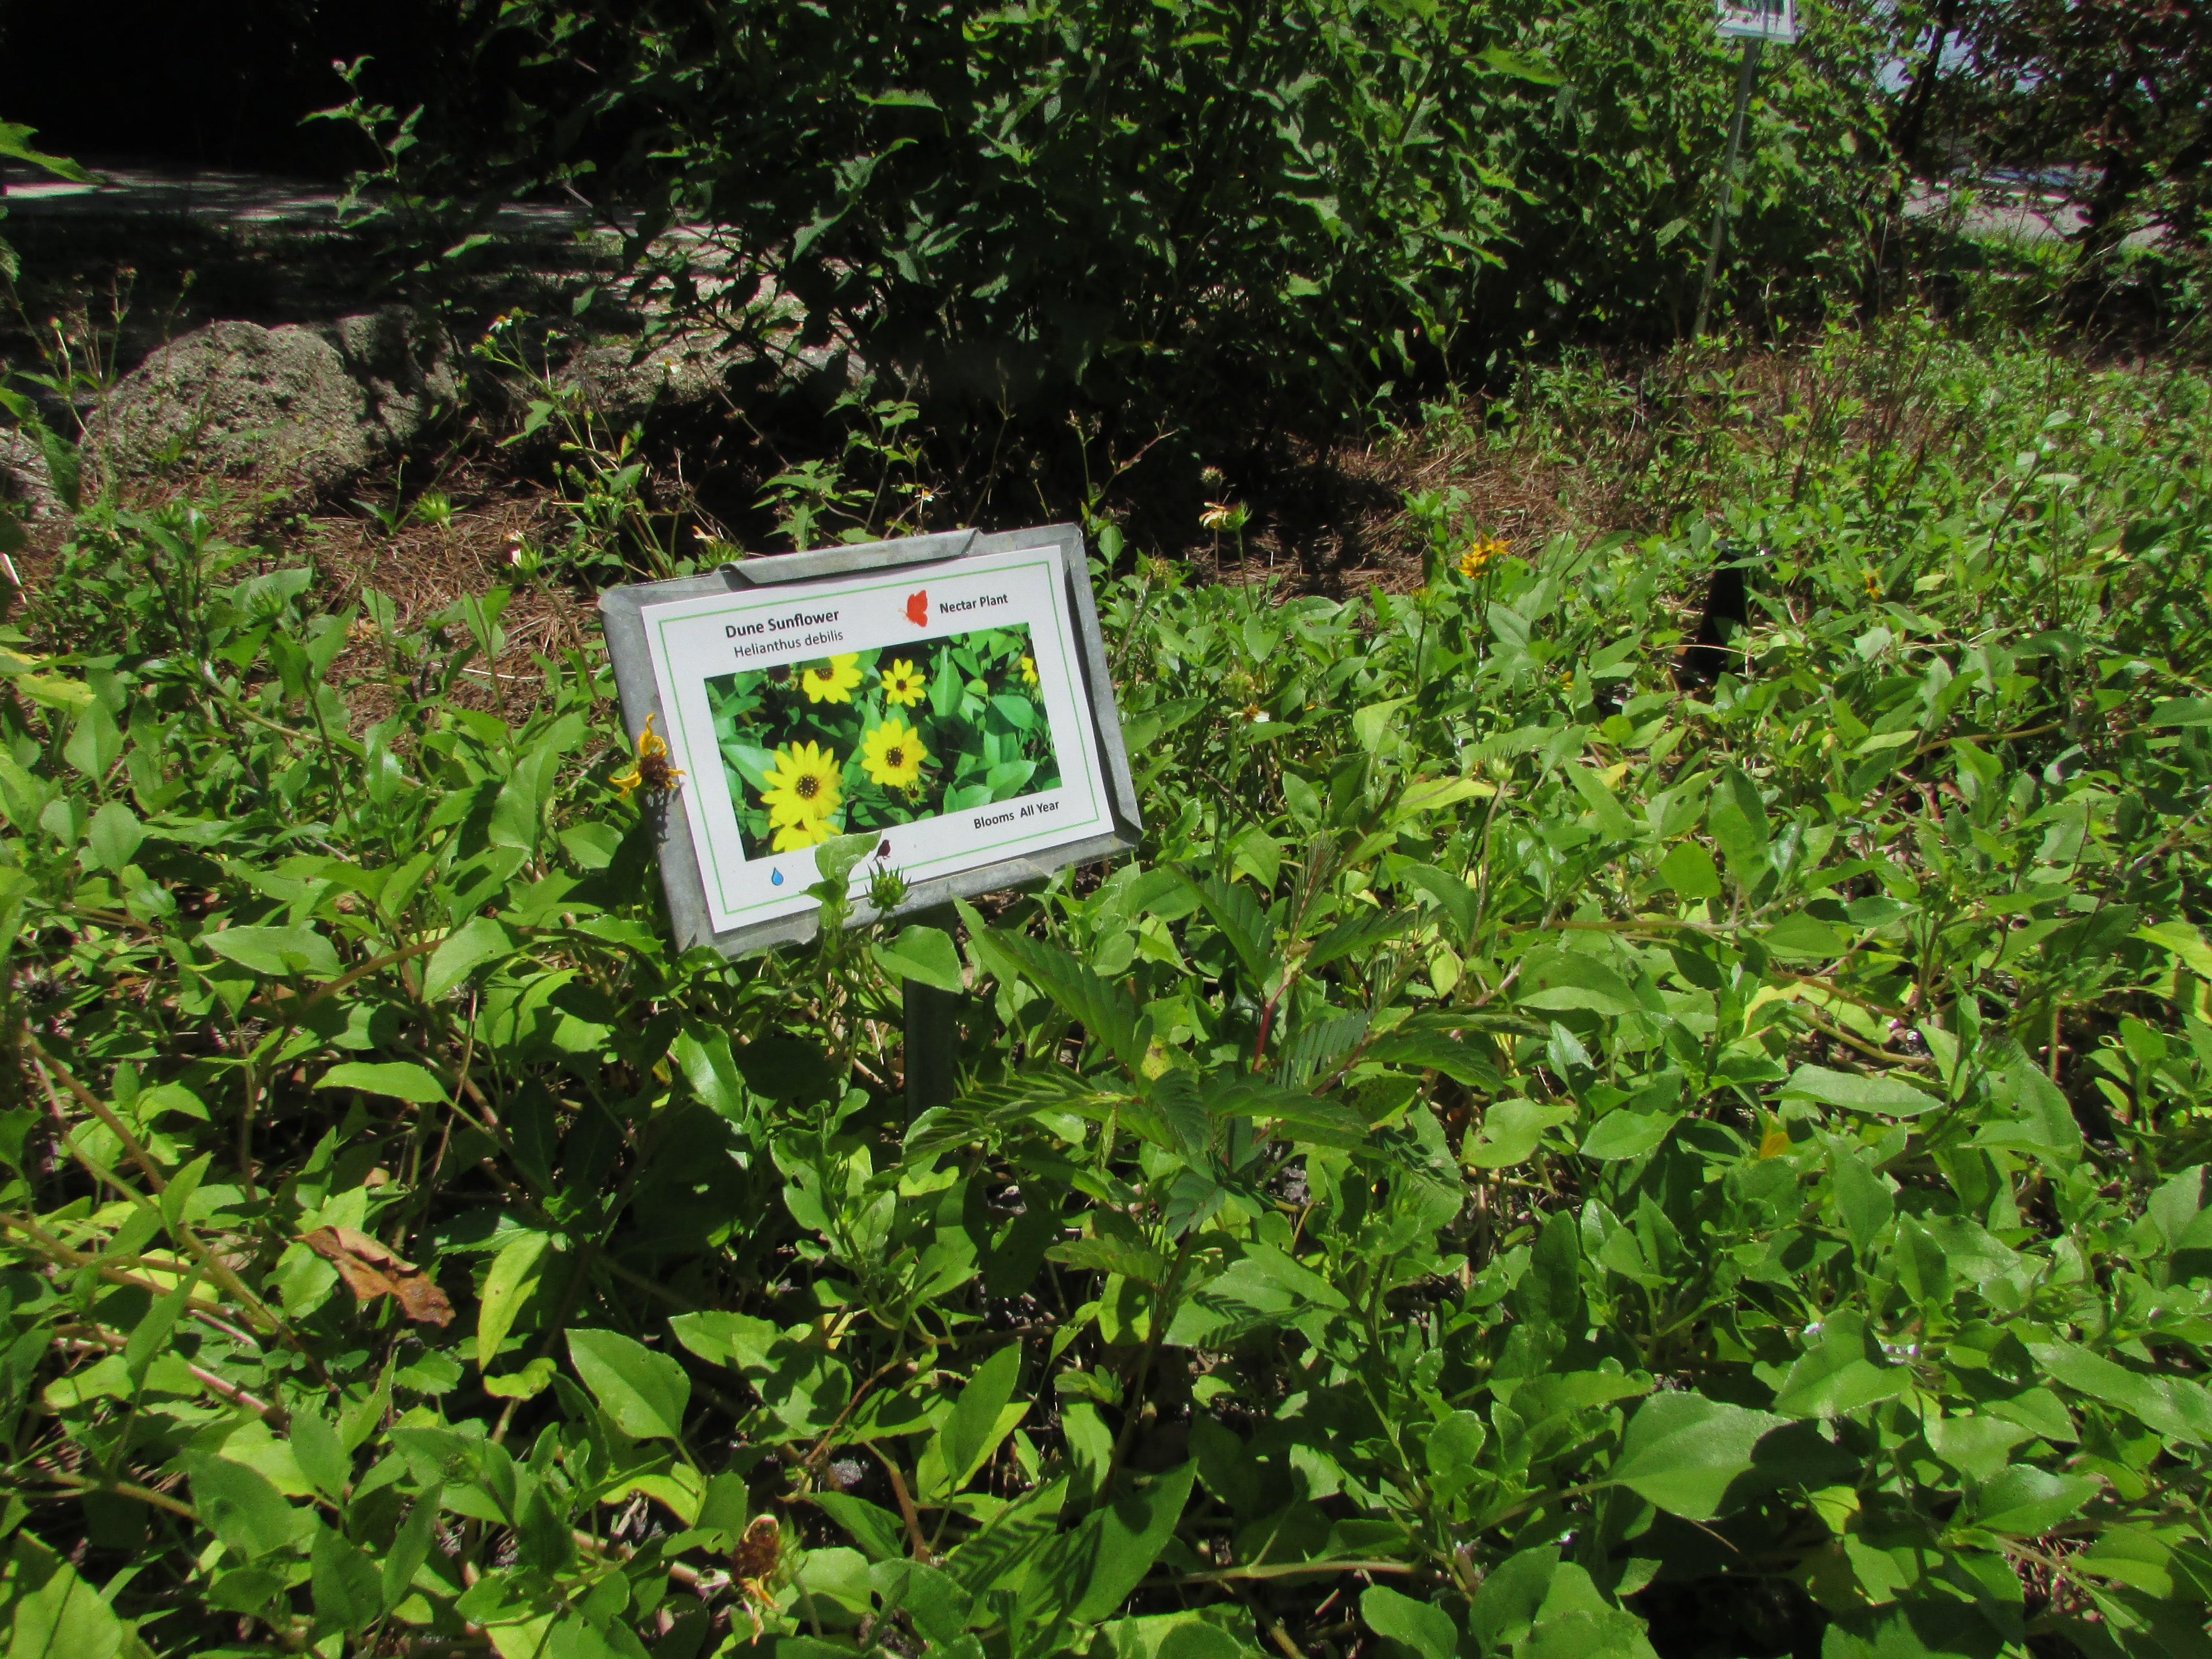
(222, 83)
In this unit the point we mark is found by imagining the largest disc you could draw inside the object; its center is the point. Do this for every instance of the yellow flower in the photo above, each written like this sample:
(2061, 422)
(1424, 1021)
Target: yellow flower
(807, 832)
(1223, 515)
(903, 683)
(651, 769)
(802, 790)
(1479, 552)
(892, 755)
(1873, 585)
(1028, 670)
(832, 679)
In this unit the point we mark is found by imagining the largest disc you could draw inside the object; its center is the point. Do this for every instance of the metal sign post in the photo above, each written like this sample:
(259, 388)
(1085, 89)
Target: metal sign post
(1754, 22)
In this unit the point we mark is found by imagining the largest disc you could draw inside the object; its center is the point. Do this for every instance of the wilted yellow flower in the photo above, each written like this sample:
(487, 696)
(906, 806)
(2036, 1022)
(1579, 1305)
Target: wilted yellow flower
(831, 679)
(651, 769)
(1478, 554)
(1224, 515)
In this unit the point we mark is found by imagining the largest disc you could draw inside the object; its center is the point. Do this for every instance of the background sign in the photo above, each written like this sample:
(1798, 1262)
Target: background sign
(947, 694)
(1760, 20)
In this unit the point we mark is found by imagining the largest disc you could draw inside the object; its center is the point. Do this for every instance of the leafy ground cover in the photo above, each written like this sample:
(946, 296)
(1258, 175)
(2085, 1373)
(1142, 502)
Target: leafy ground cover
(1555, 1145)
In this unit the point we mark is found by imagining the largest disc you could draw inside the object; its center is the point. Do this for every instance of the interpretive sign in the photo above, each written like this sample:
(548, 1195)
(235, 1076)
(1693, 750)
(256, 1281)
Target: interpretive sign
(945, 694)
(1758, 19)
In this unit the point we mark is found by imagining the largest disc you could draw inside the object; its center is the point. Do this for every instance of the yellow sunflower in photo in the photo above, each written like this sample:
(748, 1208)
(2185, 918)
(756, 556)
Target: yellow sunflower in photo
(802, 791)
(892, 755)
(1028, 670)
(831, 679)
(903, 683)
(807, 832)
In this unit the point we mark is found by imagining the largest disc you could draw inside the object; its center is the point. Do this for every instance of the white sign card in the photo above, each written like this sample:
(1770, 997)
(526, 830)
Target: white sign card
(946, 706)
(1758, 19)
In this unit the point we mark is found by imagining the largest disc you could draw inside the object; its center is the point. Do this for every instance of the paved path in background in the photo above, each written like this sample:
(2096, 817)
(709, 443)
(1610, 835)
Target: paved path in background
(257, 201)
(212, 197)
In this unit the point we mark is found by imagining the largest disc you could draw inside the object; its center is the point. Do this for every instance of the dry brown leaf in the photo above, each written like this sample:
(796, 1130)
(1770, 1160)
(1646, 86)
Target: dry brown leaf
(370, 1270)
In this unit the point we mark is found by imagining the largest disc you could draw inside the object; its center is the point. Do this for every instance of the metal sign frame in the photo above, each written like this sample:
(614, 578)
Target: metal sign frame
(1758, 20)
(627, 611)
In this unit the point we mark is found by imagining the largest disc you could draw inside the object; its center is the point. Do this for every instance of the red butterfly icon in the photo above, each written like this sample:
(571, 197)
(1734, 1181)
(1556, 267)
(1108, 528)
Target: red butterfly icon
(917, 608)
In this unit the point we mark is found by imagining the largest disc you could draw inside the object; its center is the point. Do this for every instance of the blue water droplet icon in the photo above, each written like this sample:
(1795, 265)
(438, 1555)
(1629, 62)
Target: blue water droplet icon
(775, 877)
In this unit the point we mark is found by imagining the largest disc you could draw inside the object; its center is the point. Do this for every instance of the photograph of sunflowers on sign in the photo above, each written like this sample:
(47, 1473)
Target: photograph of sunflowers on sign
(867, 739)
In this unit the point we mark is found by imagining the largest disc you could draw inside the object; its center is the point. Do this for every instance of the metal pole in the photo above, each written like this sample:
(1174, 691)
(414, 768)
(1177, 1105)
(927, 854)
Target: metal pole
(932, 1046)
(1752, 48)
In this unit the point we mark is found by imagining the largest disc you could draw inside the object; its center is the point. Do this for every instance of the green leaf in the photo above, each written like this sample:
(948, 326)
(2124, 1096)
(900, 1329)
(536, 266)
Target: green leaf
(1375, 725)
(1458, 900)
(2181, 711)
(1511, 1131)
(242, 1509)
(115, 836)
(56, 1613)
(2181, 938)
(1421, 1626)
(2174, 1407)
(1888, 1096)
(1835, 1377)
(401, 1080)
(1129, 1538)
(1803, 936)
(1354, 935)
(1863, 1202)
(1689, 869)
(1506, 1604)
(514, 1275)
(1622, 1133)
(975, 1431)
(703, 1056)
(64, 465)
(875, 1530)
(1236, 913)
(1682, 1451)
(1107, 1012)
(1575, 979)
(1737, 820)
(462, 952)
(16, 141)
(645, 1393)
(2027, 1502)
(1108, 1253)
(348, 1588)
(277, 952)
(97, 743)
(316, 1450)
(834, 858)
(1502, 62)
(1143, 728)
(925, 955)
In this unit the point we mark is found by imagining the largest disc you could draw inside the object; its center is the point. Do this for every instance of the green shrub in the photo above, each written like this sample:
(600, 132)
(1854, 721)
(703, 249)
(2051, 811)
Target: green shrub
(1143, 210)
(1522, 1144)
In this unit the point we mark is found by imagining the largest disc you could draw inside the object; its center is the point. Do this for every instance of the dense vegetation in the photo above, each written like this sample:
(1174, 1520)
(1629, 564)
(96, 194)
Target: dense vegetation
(1525, 1151)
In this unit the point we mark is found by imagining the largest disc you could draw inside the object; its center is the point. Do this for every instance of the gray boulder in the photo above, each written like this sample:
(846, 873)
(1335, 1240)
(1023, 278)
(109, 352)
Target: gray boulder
(296, 408)
(402, 366)
(25, 481)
